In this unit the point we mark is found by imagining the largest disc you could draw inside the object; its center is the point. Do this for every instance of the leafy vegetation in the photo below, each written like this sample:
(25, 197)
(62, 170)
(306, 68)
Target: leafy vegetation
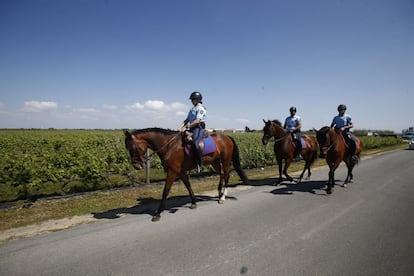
(38, 163)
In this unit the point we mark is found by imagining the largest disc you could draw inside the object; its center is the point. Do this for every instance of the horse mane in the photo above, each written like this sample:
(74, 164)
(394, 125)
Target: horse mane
(154, 129)
(324, 129)
(277, 122)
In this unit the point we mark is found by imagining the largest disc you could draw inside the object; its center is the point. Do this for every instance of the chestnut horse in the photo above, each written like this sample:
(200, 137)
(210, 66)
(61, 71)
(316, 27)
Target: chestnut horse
(284, 148)
(334, 149)
(168, 145)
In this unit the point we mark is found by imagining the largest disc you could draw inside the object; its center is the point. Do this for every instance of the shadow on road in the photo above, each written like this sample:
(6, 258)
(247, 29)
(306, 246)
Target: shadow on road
(313, 187)
(148, 206)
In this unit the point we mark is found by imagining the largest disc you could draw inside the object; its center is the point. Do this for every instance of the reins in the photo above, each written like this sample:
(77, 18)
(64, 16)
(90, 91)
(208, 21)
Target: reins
(163, 146)
(280, 139)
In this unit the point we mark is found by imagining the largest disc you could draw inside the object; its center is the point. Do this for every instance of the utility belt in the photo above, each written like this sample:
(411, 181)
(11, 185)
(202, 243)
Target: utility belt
(200, 125)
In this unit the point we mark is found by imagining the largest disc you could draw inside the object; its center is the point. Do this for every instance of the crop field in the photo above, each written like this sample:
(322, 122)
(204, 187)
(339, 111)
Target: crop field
(37, 163)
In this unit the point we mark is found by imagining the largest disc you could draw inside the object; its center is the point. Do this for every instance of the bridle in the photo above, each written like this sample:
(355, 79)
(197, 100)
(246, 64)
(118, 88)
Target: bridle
(276, 140)
(149, 157)
(330, 144)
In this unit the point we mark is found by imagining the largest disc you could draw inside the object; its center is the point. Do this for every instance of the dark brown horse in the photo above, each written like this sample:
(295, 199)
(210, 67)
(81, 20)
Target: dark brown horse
(284, 148)
(333, 147)
(168, 145)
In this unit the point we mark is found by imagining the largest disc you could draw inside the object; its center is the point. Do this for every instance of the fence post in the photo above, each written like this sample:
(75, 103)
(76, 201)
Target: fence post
(147, 167)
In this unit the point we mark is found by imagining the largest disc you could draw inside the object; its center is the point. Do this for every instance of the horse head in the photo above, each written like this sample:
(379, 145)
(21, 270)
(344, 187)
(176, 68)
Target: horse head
(137, 149)
(267, 133)
(324, 140)
(272, 129)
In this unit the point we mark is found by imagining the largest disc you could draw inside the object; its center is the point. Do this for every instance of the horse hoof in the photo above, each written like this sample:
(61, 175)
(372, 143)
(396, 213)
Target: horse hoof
(345, 185)
(193, 206)
(221, 201)
(156, 218)
(329, 191)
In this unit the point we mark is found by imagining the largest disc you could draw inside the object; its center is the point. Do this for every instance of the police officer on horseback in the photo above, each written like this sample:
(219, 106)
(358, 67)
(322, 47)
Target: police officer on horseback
(293, 124)
(195, 123)
(343, 123)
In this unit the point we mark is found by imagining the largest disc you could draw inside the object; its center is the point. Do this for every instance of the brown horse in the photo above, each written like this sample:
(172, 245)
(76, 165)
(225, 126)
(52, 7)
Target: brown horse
(334, 149)
(284, 148)
(168, 145)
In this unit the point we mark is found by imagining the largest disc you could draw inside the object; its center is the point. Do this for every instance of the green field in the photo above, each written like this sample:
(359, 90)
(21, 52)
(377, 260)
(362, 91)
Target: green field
(39, 163)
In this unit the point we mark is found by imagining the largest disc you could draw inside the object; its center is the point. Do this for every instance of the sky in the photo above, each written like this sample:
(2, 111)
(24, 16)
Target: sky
(116, 64)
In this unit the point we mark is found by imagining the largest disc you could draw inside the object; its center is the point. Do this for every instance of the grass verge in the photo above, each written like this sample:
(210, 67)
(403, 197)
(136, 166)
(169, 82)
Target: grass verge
(23, 213)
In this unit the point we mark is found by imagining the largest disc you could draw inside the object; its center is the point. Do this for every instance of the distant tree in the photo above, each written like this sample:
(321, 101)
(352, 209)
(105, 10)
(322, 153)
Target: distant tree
(247, 129)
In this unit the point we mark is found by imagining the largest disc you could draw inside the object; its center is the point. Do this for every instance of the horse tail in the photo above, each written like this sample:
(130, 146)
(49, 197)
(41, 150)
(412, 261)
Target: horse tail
(314, 156)
(236, 162)
(314, 152)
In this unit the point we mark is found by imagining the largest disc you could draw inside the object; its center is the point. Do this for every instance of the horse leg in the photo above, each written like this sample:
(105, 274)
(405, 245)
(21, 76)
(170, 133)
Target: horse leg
(224, 179)
(285, 169)
(349, 176)
(279, 164)
(309, 172)
(186, 181)
(307, 166)
(331, 182)
(301, 175)
(310, 161)
(167, 187)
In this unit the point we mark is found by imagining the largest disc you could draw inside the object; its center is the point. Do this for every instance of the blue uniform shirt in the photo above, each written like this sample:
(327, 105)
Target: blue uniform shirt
(341, 121)
(196, 112)
(292, 122)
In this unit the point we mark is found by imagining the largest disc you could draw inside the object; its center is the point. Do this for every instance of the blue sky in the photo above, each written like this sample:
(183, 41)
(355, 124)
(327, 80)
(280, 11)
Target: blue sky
(133, 64)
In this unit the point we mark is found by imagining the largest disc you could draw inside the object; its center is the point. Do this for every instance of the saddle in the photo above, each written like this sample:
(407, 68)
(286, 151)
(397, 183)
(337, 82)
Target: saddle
(207, 144)
(347, 142)
(295, 141)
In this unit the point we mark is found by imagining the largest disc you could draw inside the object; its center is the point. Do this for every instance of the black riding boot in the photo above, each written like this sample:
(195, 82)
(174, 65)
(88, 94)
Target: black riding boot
(199, 158)
(298, 149)
(352, 150)
(199, 161)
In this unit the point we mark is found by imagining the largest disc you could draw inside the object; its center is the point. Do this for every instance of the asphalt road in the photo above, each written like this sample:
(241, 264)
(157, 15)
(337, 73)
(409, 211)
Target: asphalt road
(365, 229)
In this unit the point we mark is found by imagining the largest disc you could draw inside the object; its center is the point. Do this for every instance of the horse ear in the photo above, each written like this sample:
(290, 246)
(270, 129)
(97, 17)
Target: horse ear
(264, 121)
(314, 129)
(126, 132)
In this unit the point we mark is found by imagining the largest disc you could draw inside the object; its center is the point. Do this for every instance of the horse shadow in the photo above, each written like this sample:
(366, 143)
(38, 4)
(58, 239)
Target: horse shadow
(312, 187)
(149, 206)
(262, 182)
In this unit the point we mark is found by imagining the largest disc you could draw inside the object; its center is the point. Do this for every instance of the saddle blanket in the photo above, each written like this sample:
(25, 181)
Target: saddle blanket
(347, 145)
(302, 141)
(209, 146)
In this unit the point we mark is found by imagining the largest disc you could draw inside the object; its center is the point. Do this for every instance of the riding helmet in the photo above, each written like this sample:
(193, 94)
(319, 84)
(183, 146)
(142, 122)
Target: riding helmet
(341, 107)
(292, 109)
(196, 95)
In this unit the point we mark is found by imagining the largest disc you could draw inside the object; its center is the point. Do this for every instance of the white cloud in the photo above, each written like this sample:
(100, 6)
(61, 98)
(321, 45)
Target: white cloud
(36, 106)
(180, 113)
(155, 105)
(110, 107)
(135, 107)
(178, 106)
(85, 110)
